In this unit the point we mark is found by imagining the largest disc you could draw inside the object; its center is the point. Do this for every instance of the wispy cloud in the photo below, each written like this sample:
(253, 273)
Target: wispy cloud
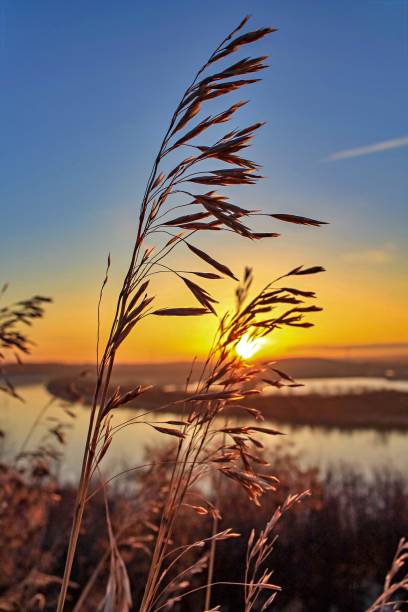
(378, 147)
(379, 255)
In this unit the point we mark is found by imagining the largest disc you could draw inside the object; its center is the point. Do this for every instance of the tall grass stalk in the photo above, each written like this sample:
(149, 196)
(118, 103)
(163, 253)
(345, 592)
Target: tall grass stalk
(208, 444)
(167, 191)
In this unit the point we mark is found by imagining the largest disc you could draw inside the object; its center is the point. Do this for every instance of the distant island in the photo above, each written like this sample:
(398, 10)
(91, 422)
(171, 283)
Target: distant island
(380, 409)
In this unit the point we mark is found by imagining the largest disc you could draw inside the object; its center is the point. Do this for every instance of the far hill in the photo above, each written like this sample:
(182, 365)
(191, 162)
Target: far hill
(176, 373)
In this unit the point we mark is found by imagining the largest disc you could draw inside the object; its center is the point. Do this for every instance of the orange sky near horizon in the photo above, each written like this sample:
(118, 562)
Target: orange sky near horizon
(356, 312)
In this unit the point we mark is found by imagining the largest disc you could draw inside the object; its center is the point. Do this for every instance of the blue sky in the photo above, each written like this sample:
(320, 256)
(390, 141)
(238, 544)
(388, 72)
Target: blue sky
(87, 90)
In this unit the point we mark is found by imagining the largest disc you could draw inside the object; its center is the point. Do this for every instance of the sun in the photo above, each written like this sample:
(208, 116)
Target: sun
(247, 346)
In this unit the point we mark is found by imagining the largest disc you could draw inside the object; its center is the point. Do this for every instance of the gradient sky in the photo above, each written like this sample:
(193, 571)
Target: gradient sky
(87, 89)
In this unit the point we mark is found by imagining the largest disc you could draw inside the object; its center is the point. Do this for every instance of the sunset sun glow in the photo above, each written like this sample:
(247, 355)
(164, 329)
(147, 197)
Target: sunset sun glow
(247, 346)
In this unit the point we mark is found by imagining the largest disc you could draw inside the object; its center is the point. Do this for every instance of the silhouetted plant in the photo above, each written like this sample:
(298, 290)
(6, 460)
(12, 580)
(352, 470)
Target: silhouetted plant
(205, 212)
(14, 342)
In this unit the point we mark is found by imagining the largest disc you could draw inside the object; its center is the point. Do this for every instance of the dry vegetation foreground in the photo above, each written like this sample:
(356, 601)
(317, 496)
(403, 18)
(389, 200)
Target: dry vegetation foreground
(332, 552)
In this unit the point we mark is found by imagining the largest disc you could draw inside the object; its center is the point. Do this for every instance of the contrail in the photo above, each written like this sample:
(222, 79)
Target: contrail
(378, 147)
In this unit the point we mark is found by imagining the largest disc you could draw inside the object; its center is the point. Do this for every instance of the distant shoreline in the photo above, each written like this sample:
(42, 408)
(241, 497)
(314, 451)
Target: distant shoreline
(176, 372)
(381, 410)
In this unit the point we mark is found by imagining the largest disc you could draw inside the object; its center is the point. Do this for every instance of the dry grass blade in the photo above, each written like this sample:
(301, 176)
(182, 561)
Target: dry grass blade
(303, 271)
(210, 260)
(170, 431)
(202, 296)
(259, 549)
(259, 235)
(395, 585)
(210, 275)
(187, 219)
(298, 220)
(180, 312)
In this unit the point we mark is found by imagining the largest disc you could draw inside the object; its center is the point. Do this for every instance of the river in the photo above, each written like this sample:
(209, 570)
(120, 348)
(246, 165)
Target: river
(366, 450)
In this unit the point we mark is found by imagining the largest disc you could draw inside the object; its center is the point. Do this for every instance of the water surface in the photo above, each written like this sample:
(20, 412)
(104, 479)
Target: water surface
(367, 450)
